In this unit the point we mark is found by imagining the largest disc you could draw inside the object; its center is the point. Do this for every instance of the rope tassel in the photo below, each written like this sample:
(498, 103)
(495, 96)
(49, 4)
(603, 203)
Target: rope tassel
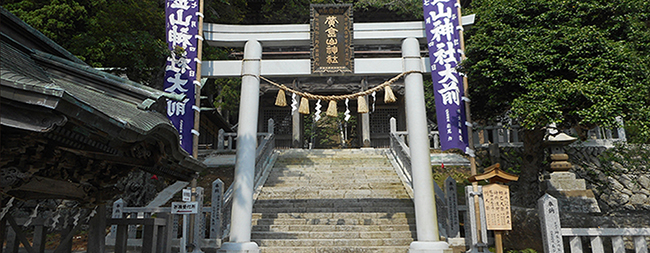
(331, 109)
(281, 100)
(389, 97)
(304, 106)
(362, 106)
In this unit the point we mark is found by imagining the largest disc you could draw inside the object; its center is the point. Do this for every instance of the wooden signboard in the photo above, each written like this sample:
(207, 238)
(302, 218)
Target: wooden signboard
(331, 39)
(497, 207)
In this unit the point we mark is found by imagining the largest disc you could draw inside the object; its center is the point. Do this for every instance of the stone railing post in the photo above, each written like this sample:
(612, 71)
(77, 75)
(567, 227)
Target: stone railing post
(220, 144)
(216, 219)
(271, 127)
(117, 213)
(199, 221)
(621, 129)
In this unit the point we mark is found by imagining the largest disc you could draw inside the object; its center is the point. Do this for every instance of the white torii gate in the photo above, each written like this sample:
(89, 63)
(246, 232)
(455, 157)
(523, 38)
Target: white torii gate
(407, 34)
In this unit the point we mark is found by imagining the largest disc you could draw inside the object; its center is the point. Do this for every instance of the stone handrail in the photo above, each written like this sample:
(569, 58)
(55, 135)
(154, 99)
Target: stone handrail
(135, 216)
(553, 233)
(509, 136)
(401, 158)
(264, 160)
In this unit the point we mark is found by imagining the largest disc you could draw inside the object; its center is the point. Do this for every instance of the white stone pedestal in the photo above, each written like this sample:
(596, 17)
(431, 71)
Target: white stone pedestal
(429, 247)
(239, 247)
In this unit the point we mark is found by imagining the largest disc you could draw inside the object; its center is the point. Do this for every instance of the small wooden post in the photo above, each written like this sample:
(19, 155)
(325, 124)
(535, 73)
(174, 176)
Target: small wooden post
(97, 231)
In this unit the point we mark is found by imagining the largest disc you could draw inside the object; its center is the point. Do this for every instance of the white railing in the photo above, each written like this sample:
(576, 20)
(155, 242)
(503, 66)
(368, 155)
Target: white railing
(227, 142)
(512, 136)
(553, 234)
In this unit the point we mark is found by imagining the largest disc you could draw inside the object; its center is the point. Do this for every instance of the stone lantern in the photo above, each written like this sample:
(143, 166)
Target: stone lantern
(571, 192)
(560, 160)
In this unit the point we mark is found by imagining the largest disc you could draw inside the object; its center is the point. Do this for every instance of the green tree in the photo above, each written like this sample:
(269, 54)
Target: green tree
(126, 36)
(578, 64)
(59, 20)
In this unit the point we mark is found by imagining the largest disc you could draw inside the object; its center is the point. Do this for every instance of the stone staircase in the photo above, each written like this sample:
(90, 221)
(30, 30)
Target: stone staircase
(333, 201)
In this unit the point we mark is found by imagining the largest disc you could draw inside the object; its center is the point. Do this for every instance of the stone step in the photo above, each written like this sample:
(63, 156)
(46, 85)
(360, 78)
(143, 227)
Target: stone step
(331, 152)
(297, 210)
(326, 203)
(347, 184)
(331, 228)
(333, 201)
(333, 242)
(330, 165)
(346, 177)
(363, 249)
(332, 194)
(342, 180)
(333, 235)
(363, 193)
(334, 221)
(319, 153)
(345, 170)
(351, 215)
(333, 160)
(342, 209)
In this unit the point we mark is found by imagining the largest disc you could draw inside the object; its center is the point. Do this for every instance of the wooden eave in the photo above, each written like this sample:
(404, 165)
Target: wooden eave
(494, 174)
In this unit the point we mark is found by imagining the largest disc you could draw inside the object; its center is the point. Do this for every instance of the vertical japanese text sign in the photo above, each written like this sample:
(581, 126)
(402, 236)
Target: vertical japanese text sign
(180, 74)
(496, 199)
(443, 26)
(331, 39)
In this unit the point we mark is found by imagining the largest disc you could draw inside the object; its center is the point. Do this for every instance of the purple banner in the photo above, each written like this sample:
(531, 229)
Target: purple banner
(443, 28)
(180, 74)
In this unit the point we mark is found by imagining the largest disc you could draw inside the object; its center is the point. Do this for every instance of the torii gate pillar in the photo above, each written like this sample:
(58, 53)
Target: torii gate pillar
(426, 219)
(242, 200)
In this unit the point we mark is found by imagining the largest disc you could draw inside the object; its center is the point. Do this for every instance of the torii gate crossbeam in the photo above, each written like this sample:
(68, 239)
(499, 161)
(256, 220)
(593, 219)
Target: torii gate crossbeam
(298, 35)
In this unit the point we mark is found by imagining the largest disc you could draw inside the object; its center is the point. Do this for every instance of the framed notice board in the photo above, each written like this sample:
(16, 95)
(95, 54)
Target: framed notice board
(498, 215)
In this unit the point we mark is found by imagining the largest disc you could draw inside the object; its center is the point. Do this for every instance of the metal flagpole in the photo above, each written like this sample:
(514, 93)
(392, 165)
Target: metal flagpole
(470, 134)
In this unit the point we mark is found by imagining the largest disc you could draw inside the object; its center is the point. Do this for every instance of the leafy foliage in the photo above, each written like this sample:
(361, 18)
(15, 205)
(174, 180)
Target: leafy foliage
(328, 131)
(126, 36)
(578, 64)
(228, 96)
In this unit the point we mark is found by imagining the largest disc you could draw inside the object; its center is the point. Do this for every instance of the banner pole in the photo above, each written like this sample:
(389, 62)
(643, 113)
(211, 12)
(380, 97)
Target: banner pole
(197, 100)
(470, 128)
(197, 122)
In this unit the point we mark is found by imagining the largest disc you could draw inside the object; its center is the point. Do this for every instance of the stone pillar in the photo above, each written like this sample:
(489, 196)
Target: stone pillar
(216, 219)
(549, 217)
(296, 129)
(365, 121)
(426, 220)
(242, 200)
